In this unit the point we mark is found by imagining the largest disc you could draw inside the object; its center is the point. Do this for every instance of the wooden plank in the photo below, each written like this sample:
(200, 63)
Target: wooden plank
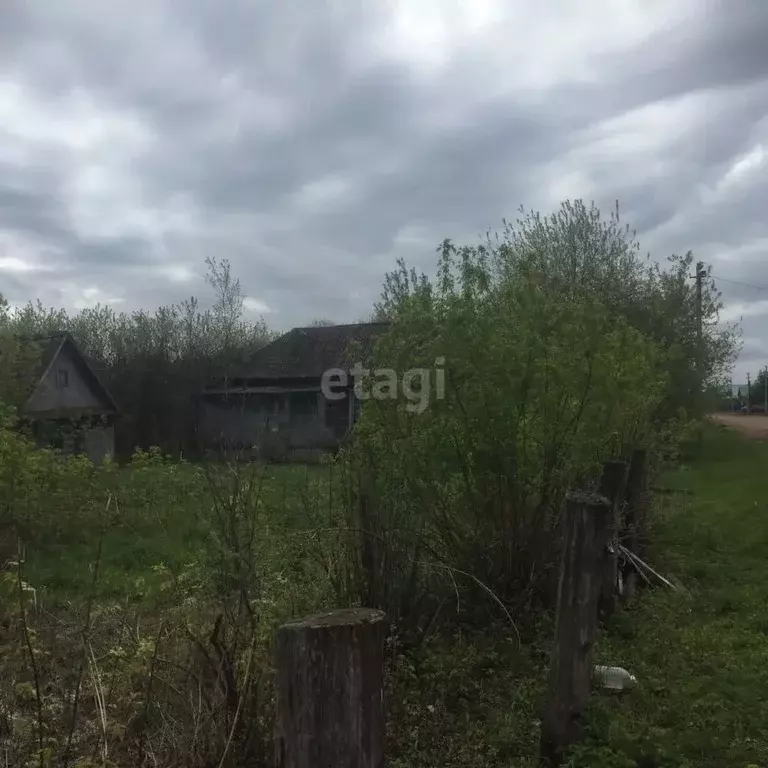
(637, 507)
(612, 485)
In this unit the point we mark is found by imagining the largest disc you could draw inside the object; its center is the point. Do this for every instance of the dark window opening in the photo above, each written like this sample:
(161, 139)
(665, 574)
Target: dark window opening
(268, 404)
(62, 378)
(337, 415)
(303, 406)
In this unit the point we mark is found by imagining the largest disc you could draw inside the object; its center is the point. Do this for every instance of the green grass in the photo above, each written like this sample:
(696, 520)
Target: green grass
(155, 523)
(701, 659)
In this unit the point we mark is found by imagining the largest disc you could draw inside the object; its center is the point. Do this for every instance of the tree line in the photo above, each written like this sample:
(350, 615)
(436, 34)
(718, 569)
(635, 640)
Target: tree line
(154, 364)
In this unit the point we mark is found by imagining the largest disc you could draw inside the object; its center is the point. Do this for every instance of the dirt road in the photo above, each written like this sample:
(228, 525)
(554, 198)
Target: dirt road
(752, 425)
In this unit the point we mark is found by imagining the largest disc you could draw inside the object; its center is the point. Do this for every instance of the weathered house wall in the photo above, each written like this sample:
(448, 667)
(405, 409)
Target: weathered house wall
(275, 403)
(99, 443)
(275, 422)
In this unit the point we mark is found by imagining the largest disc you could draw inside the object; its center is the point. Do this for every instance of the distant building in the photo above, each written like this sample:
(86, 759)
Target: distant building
(275, 406)
(66, 405)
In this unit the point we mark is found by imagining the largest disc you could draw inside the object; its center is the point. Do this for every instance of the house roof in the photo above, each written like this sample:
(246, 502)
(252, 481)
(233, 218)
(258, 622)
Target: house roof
(50, 346)
(310, 351)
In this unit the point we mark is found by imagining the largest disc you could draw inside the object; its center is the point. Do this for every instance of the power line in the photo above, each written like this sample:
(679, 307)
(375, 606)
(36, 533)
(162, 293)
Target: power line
(739, 282)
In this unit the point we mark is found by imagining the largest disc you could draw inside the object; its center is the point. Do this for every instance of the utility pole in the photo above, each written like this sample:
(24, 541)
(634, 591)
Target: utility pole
(749, 392)
(765, 390)
(700, 275)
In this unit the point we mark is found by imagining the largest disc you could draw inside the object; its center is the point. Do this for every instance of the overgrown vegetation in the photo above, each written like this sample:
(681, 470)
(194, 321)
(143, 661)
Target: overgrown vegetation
(563, 348)
(140, 601)
(139, 605)
(701, 656)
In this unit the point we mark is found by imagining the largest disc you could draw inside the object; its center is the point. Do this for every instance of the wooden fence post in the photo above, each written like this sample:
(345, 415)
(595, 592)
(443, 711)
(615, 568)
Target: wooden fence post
(570, 672)
(612, 487)
(329, 683)
(636, 511)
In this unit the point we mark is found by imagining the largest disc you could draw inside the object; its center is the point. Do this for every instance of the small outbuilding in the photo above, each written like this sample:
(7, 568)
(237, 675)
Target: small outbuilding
(66, 404)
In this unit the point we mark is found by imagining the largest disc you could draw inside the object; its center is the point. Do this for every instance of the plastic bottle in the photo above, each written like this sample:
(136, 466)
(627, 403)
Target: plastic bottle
(614, 678)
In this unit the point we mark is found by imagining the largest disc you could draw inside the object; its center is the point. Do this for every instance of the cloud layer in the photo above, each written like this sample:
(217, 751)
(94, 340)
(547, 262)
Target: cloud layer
(312, 144)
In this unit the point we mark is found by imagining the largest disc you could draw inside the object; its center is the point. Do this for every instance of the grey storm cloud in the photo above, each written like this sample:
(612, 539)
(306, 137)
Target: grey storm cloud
(312, 144)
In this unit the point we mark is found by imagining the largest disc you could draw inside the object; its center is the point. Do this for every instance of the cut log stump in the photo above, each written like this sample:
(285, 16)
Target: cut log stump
(330, 670)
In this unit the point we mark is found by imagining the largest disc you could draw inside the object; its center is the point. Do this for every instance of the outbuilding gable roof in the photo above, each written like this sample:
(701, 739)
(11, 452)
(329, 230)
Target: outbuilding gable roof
(50, 346)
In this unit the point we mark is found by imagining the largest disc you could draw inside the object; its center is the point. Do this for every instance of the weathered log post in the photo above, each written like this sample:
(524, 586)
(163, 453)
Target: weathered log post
(570, 671)
(330, 670)
(612, 487)
(635, 515)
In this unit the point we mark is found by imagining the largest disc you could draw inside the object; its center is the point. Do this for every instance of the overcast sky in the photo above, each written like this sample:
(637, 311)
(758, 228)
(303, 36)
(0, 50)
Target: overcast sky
(312, 143)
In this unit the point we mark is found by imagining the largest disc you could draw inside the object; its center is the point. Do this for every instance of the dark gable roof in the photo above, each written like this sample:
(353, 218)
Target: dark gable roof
(49, 347)
(309, 352)
(101, 372)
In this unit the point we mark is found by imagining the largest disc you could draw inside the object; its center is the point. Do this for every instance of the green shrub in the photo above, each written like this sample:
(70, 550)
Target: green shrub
(540, 389)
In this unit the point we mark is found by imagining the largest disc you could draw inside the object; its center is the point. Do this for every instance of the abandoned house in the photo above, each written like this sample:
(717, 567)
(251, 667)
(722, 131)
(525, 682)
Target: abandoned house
(65, 403)
(275, 406)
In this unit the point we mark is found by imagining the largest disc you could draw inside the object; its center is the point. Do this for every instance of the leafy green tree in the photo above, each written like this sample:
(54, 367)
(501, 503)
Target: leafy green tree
(577, 251)
(19, 360)
(562, 348)
(757, 389)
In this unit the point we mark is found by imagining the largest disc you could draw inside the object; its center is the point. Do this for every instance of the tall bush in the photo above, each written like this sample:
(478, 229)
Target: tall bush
(562, 348)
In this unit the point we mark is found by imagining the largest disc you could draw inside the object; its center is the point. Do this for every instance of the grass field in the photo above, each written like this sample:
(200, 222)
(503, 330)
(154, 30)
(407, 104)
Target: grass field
(160, 515)
(701, 657)
(473, 698)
